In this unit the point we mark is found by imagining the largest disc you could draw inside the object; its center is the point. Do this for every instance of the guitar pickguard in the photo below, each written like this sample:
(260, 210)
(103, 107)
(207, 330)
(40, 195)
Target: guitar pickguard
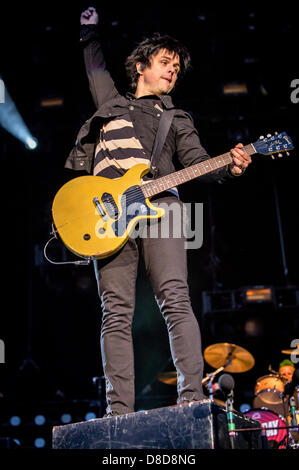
(133, 204)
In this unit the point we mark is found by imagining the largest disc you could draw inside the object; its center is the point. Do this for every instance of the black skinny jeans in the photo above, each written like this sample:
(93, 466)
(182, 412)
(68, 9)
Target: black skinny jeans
(166, 266)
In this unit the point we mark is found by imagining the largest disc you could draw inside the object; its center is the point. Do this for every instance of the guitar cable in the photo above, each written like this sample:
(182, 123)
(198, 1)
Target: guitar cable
(78, 263)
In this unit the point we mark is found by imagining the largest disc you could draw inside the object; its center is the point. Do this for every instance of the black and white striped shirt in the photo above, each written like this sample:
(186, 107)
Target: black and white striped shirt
(118, 148)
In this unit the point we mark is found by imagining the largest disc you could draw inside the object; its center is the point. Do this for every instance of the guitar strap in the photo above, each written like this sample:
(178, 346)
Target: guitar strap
(163, 129)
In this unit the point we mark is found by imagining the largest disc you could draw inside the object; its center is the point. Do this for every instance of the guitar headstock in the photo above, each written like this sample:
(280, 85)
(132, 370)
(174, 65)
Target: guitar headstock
(271, 144)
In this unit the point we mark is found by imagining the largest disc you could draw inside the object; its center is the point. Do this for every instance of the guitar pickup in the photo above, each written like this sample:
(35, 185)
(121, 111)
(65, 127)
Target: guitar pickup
(110, 205)
(100, 208)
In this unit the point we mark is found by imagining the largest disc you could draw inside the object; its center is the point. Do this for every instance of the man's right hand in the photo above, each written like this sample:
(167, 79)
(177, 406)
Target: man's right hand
(89, 16)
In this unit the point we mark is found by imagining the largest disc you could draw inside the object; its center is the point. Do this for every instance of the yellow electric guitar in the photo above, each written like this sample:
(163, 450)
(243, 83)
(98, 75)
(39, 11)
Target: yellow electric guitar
(94, 216)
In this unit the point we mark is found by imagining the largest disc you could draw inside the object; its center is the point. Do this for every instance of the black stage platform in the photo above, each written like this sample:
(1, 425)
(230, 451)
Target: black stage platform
(198, 425)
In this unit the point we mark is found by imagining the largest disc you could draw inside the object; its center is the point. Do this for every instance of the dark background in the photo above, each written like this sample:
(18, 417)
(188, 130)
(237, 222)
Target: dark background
(50, 316)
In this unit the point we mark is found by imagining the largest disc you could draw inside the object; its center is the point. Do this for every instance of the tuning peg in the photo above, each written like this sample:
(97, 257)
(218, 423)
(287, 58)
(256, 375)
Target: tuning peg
(272, 156)
(262, 137)
(276, 133)
(279, 155)
(288, 154)
(268, 135)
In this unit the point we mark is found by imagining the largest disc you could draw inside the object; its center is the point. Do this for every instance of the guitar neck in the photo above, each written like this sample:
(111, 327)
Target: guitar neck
(187, 174)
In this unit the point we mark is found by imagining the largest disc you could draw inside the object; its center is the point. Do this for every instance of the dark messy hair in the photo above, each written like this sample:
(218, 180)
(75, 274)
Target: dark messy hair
(150, 47)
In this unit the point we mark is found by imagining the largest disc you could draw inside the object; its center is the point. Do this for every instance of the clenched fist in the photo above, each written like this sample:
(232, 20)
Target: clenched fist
(89, 16)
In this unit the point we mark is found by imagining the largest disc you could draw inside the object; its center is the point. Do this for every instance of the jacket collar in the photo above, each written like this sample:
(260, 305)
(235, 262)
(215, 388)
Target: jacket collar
(166, 100)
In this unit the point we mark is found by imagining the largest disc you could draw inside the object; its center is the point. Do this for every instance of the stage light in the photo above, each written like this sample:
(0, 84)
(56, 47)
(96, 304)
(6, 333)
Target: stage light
(259, 294)
(245, 407)
(235, 88)
(2, 91)
(254, 327)
(15, 420)
(31, 143)
(52, 102)
(66, 418)
(12, 121)
(39, 420)
(39, 442)
(90, 415)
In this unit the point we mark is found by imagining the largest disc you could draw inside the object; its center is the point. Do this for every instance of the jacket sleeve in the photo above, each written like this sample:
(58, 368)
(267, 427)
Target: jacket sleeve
(190, 151)
(101, 84)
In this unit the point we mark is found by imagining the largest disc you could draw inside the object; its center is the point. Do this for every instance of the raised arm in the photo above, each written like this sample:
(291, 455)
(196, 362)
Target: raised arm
(101, 84)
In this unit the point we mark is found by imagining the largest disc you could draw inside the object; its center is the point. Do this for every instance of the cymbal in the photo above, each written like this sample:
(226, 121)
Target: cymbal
(291, 351)
(219, 402)
(169, 378)
(230, 356)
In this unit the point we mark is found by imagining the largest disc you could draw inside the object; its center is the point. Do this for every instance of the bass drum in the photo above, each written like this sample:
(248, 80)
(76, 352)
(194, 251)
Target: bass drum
(281, 408)
(277, 438)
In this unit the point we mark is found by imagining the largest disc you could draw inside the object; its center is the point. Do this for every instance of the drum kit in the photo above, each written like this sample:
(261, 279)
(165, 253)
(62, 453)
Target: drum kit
(270, 407)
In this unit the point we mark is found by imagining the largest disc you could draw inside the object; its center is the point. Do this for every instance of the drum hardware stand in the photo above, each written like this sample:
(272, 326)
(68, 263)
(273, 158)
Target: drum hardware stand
(273, 371)
(210, 377)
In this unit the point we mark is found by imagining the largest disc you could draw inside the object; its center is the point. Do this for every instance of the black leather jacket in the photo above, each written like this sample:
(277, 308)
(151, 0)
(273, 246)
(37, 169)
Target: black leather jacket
(182, 139)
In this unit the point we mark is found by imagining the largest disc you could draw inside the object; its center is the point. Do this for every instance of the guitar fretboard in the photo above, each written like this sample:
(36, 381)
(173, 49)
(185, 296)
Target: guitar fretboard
(187, 174)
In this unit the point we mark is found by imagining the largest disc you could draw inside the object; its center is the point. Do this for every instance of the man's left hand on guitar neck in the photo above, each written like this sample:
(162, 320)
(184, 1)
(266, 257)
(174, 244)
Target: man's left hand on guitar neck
(241, 160)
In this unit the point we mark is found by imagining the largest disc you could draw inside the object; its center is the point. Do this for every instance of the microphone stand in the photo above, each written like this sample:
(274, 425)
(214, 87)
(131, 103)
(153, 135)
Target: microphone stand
(285, 409)
(289, 393)
(230, 419)
(292, 403)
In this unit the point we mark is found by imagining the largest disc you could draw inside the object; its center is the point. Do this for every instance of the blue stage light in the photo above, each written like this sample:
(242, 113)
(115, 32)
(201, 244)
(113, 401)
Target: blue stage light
(66, 418)
(12, 121)
(39, 442)
(2, 91)
(31, 143)
(39, 420)
(90, 415)
(245, 407)
(15, 421)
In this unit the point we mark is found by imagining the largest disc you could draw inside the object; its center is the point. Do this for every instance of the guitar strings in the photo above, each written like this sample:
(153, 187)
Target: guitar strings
(137, 191)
